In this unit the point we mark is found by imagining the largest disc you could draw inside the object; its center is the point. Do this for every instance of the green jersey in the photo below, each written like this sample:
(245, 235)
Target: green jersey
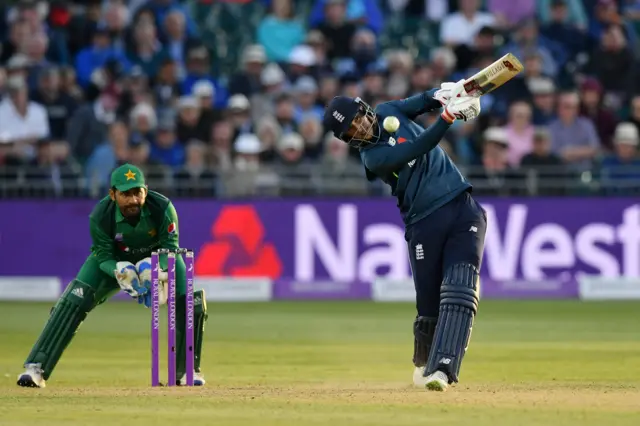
(115, 239)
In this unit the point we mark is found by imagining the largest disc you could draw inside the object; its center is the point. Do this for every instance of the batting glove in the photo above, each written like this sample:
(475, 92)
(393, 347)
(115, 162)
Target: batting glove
(128, 279)
(444, 94)
(466, 108)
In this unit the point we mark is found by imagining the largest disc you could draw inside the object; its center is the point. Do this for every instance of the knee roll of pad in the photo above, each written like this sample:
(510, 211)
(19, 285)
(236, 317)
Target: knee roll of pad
(423, 331)
(458, 306)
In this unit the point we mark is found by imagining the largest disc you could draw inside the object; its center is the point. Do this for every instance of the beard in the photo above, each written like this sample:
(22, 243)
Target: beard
(131, 210)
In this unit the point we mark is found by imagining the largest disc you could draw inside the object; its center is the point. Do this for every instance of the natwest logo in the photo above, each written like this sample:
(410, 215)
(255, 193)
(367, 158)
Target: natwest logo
(238, 248)
(517, 245)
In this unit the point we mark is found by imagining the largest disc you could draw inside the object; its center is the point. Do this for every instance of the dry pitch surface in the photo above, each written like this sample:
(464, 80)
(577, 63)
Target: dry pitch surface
(533, 363)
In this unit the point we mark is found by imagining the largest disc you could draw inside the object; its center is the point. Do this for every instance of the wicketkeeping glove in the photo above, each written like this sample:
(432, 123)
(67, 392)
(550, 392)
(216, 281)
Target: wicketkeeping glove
(128, 280)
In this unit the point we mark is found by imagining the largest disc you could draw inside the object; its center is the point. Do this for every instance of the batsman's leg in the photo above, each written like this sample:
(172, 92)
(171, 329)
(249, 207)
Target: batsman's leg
(199, 319)
(90, 288)
(425, 244)
(459, 295)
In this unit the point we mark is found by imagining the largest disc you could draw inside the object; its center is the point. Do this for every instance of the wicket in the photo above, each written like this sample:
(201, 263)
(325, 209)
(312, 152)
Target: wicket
(171, 315)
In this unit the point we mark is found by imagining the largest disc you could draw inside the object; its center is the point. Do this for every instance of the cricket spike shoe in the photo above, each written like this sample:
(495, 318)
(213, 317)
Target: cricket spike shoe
(198, 380)
(438, 381)
(32, 377)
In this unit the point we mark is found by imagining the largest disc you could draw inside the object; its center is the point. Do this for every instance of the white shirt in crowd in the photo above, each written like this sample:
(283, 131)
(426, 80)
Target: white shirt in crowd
(15, 127)
(456, 29)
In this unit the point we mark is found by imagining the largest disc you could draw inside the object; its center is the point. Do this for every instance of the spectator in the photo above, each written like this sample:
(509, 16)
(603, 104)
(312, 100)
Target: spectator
(247, 81)
(621, 170)
(134, 87)
(221, 145)
(161, 8)
(572, 12)
(269, 132)
(95, 56)
(306, 92)
(495, 169)
(198, 67)
(167, 149)
(541, 155)
(49, 174)
(594, 109)
(336, 29)
(301, 62)
(461, 27)
(328, 89)
(373, 82)
(36, 52)
(17, 42)
(60, 106)
(573, 138)
(144, 120)
(204, 92)
(111, 153)
(190, 126)
(24, 122)
(156, 174)
(195, 179)
(147, 52)
(519, 132)
(559, 28)
(311, 132)
(634, 111)
(292, 167)
(484, 45)
(317, 42)
(115, 19)
(280, 31)
(273, 81)
(167, 85)
(543, 92)
(285, 113)
(18, 66)
(176, 40)
(443, 63)
(88, 126)
(239, 113)
(527, 39)
(509, 13)
(359, 12)
(613, 64)
(247, 162)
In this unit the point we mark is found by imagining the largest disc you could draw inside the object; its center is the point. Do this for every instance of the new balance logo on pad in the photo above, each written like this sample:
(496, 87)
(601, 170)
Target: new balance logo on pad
(77, 292)
(473, 229)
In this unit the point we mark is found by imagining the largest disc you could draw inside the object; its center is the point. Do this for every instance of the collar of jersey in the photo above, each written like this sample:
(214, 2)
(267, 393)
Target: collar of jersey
(119, 217)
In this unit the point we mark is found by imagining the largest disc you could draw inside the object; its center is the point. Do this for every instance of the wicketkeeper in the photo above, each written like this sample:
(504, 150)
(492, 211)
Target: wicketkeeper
(445, 226)
(125, 227)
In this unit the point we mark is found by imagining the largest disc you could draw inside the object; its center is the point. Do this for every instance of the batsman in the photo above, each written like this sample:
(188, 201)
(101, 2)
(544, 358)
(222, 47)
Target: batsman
(444, 226)
(126, 226)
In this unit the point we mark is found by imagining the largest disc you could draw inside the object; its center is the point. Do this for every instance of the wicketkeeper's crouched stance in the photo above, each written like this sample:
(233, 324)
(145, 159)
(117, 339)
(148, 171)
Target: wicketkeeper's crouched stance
(444, 225)
(125, 227)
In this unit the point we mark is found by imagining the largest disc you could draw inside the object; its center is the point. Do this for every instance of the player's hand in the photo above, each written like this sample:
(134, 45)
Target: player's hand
(448, 90)
(128, 279)
(464, 108)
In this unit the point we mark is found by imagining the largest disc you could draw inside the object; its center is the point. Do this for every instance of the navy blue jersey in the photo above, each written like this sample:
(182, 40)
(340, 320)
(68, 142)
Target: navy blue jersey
(420, 173)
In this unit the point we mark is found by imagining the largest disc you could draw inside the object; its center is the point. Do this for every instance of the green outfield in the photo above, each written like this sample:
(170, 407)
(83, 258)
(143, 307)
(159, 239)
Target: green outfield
(533, 363)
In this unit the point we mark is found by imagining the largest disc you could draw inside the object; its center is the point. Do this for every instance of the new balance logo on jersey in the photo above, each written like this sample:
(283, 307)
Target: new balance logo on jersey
(338, 116)
(77, 292)
(419, 252)
(411, 163)
(392, 141)
(473, 229)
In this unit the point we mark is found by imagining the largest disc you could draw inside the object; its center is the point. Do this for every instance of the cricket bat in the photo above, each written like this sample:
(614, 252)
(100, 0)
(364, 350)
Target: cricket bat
(493, 76)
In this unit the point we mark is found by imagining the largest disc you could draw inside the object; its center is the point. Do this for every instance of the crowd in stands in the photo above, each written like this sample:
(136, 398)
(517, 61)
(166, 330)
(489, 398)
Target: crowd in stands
(88, 85)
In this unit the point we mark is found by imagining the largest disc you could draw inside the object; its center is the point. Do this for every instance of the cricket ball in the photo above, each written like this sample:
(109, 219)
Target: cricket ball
(391, 124)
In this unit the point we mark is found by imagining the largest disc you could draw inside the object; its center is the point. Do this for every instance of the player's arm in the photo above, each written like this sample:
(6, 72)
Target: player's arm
(382, 159)
(416, 105)
(102, 248)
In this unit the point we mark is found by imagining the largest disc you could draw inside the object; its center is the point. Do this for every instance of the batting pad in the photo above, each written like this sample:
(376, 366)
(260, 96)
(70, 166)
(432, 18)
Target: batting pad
(458, 307)
(424, 329)
(199, 318)
(64, 320)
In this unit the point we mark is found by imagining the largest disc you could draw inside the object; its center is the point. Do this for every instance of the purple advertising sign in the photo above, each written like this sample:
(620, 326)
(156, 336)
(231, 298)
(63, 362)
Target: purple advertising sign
(350, 241)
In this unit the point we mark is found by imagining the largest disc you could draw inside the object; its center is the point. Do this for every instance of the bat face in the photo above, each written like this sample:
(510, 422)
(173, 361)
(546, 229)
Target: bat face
(493, 76)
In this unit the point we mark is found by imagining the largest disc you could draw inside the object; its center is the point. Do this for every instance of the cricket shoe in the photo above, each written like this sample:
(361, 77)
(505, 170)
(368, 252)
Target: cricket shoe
(438, 381)
(32, 377)
(198, 379)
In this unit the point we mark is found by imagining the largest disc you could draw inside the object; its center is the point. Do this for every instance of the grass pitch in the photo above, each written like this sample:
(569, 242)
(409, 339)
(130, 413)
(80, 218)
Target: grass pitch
(335, 363)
